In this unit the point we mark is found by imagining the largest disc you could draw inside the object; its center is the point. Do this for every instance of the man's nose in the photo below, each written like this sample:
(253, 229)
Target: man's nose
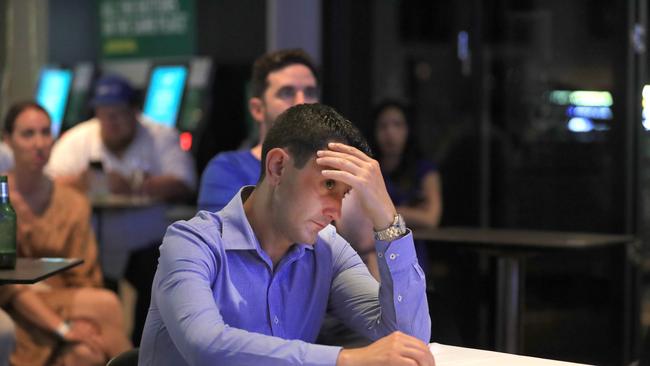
(333, 208)
(41, 141)
(300, 98)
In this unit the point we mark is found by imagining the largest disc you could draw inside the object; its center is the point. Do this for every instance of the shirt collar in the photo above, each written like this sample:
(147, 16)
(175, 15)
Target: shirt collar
(237, 232)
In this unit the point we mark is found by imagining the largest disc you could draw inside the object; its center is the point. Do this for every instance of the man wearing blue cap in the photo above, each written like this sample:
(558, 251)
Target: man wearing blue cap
(134, 156)
(127, 145)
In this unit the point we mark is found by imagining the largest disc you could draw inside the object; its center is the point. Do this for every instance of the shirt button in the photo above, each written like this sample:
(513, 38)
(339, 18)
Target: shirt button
(276, 320)
(380, 255)
(399, 298)
(392, 256)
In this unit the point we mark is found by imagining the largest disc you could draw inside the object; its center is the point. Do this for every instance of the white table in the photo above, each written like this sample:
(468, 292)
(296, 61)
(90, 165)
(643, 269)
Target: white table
(460, 356)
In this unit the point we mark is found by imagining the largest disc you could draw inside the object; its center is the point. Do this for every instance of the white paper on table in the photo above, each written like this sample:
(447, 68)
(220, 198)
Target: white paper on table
(460, 356)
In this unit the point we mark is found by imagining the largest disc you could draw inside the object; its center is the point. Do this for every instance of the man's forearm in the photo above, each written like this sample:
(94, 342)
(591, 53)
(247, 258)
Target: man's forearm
(167, 188)
(401, 304)
(79, 182)
(403, 289)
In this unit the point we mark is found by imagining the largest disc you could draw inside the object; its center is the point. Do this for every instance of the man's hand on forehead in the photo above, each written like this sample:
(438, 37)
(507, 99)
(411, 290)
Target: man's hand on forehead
(351, 166)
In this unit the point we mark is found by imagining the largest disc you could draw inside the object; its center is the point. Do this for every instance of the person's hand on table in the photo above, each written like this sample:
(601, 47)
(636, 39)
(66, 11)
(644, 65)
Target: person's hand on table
(155, 186)
(356, 169)
(84, 331)
(165, 187)
(118, 184)
(396, 349)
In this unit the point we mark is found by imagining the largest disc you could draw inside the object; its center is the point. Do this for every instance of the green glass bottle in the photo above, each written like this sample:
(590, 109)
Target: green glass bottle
(7, 227)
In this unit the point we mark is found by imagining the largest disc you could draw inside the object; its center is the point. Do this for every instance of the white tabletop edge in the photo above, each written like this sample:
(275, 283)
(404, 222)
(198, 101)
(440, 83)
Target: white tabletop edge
(460, 356)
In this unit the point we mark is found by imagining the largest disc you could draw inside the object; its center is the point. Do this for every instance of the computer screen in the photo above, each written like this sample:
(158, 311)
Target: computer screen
(165, 93)
(52, 93)
(583, 111)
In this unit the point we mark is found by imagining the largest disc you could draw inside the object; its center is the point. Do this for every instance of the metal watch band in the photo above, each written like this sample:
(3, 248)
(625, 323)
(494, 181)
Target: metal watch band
(394, 231)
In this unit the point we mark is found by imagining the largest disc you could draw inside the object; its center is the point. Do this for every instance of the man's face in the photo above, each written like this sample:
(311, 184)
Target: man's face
(118, 125)
(307, 202)
(289, 86)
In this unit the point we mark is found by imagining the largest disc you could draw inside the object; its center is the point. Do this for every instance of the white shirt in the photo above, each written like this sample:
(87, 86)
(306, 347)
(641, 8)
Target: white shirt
(6, 158)
(155, 151)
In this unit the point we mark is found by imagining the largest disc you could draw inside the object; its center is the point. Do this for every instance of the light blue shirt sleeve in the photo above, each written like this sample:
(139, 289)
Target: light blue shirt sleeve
(224, 175)
(184, 297)
(219, 183)
(402, 303)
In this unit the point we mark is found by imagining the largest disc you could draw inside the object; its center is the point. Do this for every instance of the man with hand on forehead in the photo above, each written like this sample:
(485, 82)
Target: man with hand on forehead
(250, 284)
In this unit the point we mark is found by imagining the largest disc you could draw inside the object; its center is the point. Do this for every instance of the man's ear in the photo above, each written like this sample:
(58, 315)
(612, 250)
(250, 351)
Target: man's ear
(256, 107)
(276, 160)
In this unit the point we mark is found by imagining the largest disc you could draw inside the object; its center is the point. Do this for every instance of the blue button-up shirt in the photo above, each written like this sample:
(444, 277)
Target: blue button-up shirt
(218, 300)
(224, 176)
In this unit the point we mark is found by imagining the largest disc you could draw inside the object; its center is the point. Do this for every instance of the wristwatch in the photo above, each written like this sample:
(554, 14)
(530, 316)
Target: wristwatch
(394, 231)
(62, 329)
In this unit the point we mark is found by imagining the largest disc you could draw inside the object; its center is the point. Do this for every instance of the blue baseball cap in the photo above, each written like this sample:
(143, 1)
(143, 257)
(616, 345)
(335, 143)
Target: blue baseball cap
(112, 89)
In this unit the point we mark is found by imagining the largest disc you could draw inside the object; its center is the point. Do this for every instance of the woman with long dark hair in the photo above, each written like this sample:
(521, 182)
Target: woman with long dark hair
(413, 182)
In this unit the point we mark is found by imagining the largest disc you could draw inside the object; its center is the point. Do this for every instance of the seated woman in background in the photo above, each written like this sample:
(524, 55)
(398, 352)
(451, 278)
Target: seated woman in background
(413, 182)
(66, 319)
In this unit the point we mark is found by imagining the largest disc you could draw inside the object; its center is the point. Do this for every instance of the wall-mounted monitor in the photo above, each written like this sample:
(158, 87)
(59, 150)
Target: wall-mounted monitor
(584, 110)
(165, 93)
(52, 93)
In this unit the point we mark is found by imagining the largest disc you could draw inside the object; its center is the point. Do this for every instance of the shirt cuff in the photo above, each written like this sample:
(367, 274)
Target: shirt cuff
(318, 355)
(399, 253)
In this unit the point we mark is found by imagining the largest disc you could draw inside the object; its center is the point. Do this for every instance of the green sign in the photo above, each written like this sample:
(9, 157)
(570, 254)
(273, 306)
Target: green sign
(146, 28)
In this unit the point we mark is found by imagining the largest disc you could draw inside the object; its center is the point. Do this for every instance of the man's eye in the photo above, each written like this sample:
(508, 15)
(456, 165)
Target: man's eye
(311, 93)
(329, 184)
(286, 93)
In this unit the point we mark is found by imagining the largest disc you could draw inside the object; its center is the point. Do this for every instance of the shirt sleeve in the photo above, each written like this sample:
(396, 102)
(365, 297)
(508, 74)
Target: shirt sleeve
(399, 303)
(185, 300)
(69, 155)
(219, 184)
(175, 161)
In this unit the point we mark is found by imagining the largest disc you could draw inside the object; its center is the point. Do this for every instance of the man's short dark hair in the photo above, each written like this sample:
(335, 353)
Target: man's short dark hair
(273, 61)
(306, 128)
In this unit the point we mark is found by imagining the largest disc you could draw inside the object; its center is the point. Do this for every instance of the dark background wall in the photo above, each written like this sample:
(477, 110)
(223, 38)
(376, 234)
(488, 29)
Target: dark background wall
(73, 31)
(232, 32)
